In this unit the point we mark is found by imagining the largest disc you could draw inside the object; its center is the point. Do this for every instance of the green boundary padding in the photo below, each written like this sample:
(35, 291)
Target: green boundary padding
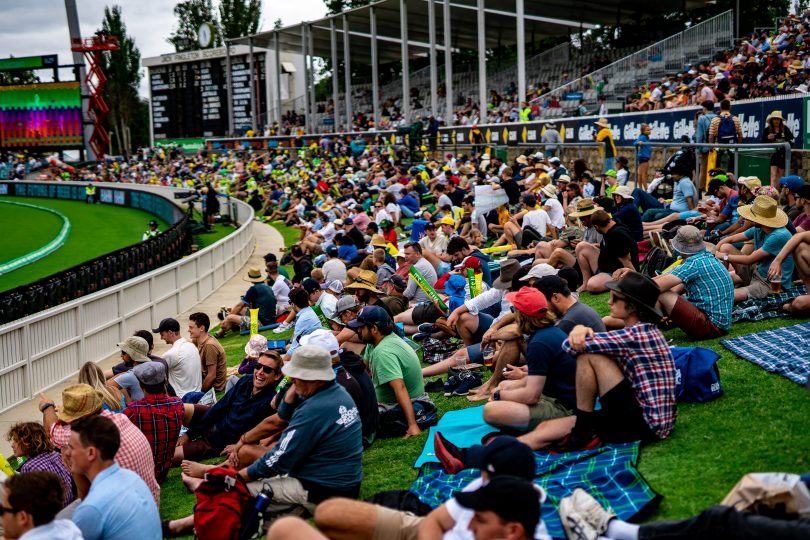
(45, 250)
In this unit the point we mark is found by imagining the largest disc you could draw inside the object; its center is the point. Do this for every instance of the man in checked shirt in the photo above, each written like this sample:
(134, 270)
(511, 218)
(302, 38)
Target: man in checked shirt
(631, 371)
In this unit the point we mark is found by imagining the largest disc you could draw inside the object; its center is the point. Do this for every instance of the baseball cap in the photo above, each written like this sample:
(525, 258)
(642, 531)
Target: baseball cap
(470, 261)
(398, 282)
(529, 301)
(370, 315)
(554, 160)
(150, 373)
(504, 455)
(334, 285)
(345, 303)
(348, 221)
(167, 325)
(540, 270)
(512, 499)
(310, 285)
(322, 338)
(447, 220)
(332, 251)
(793, 182)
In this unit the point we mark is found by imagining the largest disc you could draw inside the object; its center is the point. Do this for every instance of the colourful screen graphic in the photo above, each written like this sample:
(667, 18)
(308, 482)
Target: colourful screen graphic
(41, 115)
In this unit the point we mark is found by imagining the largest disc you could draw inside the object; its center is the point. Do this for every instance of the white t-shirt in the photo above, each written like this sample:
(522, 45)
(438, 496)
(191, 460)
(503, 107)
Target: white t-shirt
(185, 371)
(539, 219)
(334, 269)
(381, 215)
(621, 177)
(281, 288)
(462, 516)
(444, 200)
(439, 245)
(328, 232)
(555, 212)
(394, 211)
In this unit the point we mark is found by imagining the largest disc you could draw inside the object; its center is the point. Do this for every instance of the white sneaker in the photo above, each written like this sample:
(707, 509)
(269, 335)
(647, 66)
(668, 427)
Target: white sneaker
(584, 517)
(280, 329)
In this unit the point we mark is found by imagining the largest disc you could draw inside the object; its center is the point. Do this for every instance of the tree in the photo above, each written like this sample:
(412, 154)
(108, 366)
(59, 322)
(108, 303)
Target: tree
(122, 69)
(277, 24)
(239, 18)
(21, 76)
(190, 15)
(336, 6)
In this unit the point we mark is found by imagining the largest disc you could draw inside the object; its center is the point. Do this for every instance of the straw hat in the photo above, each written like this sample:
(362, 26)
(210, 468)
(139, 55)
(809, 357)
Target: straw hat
(78, 401)
(774, 114)
(765, 211)
(522, 160)
(750, 182)
(564, 178)
(366, 279)
(378, 240)
(602, 122)
(254, 275)
(585, 207)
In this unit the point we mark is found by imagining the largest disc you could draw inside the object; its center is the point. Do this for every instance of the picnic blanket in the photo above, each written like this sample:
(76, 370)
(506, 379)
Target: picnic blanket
(765, 308)
(782, 350)
(608, 473)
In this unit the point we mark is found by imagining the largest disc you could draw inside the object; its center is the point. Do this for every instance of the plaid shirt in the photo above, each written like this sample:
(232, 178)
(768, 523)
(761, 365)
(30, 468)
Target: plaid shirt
(134, 453)
(52, 462)
(646, 361)
(159, 417)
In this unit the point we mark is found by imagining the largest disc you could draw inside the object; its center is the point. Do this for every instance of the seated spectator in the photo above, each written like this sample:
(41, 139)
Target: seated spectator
(281, 286)
(569, 310)
(321, 450)
(548, 390)
(30, 504)
(459, 249)
(30, 441)
(631, 371)
(92, 375)
(213, 360)
(258, 296)
(532, 219)
(503, 457)
(750, 271)
(684, 198)
(79, 402)
(306, 320)
(627, 212)
(617, 250)
(394, 365)
(118, 502)
(413, 255)
(183, 359)
(158, 415)
(334, 267)
(127, 363)
(799, 248)
(394, 298)
(134, 350)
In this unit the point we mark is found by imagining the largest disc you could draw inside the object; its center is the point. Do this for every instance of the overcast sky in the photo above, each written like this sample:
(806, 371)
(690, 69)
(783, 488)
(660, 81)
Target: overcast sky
(35, 27)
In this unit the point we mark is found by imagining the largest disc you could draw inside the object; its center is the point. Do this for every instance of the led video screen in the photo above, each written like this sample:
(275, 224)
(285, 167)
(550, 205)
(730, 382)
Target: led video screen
(41, 115)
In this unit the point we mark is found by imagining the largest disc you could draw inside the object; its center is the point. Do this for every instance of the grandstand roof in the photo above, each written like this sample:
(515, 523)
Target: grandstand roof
(542, 19)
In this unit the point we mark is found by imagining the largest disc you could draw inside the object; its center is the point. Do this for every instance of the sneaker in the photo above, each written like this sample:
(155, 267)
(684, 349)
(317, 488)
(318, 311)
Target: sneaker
(436, 385)
(280, 329)
(452, 382)
(469, 381)
(582, 517)
(450, 456)
(420, 336)
(425, 328)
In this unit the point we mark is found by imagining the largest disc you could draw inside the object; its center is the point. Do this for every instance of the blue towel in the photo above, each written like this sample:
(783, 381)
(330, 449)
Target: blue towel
(464, 428)
(608, 473)
(783, 350)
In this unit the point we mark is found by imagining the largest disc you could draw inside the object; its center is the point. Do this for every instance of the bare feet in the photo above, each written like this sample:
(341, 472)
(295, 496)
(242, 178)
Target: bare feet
(191, 483)
(481, 396)
(194, 469)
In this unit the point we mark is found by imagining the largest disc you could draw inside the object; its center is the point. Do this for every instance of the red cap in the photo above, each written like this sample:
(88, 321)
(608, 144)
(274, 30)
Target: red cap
(470, 261)
(529, 301)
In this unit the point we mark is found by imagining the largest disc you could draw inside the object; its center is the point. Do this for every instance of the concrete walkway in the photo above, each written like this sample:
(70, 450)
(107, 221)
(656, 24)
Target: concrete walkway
(268, 240)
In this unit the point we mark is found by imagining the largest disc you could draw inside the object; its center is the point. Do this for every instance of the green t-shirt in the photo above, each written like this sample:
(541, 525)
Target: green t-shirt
(394, 359)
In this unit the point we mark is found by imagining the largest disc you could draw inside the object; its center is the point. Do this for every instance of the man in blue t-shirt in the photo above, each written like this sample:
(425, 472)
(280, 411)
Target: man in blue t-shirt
(259, 296)
(770, 236)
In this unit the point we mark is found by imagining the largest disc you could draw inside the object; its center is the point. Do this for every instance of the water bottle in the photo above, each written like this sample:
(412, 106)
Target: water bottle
(251, 526)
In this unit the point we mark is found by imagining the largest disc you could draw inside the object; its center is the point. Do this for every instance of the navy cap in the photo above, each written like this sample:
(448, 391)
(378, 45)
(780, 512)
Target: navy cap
(348, 221)
(310, 285)
(370, 315)
(167, 325)
(504, 455)
(332, 251)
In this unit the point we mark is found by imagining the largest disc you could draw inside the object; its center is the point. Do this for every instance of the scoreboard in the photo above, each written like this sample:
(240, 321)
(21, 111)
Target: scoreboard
(189, 96)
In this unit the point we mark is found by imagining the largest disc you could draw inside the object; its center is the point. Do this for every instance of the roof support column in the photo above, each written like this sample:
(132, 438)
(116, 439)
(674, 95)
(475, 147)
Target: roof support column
(335, 86)
(311, 79)
(375, 83)
(521, 50)
(306, 78)
(228, 87)
(434, 77)
(347, 72)
(482, 64)
(254, 124)
(278, 79)
(406, 76)
(448, 65)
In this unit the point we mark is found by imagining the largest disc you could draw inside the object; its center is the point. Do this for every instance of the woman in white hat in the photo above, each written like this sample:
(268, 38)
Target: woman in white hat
(777, 132)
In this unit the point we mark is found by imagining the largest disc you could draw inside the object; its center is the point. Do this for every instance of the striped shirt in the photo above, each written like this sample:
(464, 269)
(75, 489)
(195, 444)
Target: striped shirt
(646, 361)
(708, 287)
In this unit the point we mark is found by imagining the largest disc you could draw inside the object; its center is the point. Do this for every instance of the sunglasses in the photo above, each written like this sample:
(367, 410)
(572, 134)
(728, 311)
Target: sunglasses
(267, 369)
(7, 510)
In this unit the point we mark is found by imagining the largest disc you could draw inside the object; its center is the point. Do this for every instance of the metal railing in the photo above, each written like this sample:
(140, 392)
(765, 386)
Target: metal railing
(42, 350)
(666, 56)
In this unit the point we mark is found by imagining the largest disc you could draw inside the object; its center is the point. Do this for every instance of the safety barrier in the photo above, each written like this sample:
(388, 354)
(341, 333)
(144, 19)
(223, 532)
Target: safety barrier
(44, 349)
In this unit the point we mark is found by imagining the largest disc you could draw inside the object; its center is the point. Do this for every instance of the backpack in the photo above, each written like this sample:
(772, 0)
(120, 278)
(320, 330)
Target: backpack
(727, 130)
(697, 377)
(393, 423)
(222, 501)
(655, 262)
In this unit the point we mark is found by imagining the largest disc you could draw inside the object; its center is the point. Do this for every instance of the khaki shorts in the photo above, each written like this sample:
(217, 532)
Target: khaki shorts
(547, 408)
(287, 493)
(395, 525)
(759, 287)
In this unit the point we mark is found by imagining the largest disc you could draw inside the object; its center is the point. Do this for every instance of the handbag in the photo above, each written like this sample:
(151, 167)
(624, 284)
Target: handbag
(697, 377)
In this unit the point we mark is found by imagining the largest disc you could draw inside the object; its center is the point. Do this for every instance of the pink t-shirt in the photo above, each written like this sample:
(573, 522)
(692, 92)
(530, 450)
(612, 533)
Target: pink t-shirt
(803, 221)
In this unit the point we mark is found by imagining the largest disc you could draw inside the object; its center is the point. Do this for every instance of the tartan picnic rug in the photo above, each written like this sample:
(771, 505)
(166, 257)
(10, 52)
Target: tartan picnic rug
(782, 350)
(608, 473)
(765, 308)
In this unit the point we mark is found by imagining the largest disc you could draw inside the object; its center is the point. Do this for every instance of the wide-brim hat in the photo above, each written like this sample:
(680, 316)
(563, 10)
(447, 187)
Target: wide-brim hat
(549, 191)
(625, 192)
(366, 279)
(254, 275)
(639, 289)
(378, 240)
(775, 114)
(310, 363)
(522, 160)
(585, 207)
(602, 122)
(688, 240)
(764, 211)
(136, 347)
(509, 267)
(78, 401)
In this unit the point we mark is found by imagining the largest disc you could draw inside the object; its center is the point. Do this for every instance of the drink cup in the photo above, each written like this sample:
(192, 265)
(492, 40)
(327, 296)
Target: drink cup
(776, 286)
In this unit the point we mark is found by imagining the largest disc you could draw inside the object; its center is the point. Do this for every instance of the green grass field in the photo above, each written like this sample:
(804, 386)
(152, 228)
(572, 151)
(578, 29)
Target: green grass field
(758, 425)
